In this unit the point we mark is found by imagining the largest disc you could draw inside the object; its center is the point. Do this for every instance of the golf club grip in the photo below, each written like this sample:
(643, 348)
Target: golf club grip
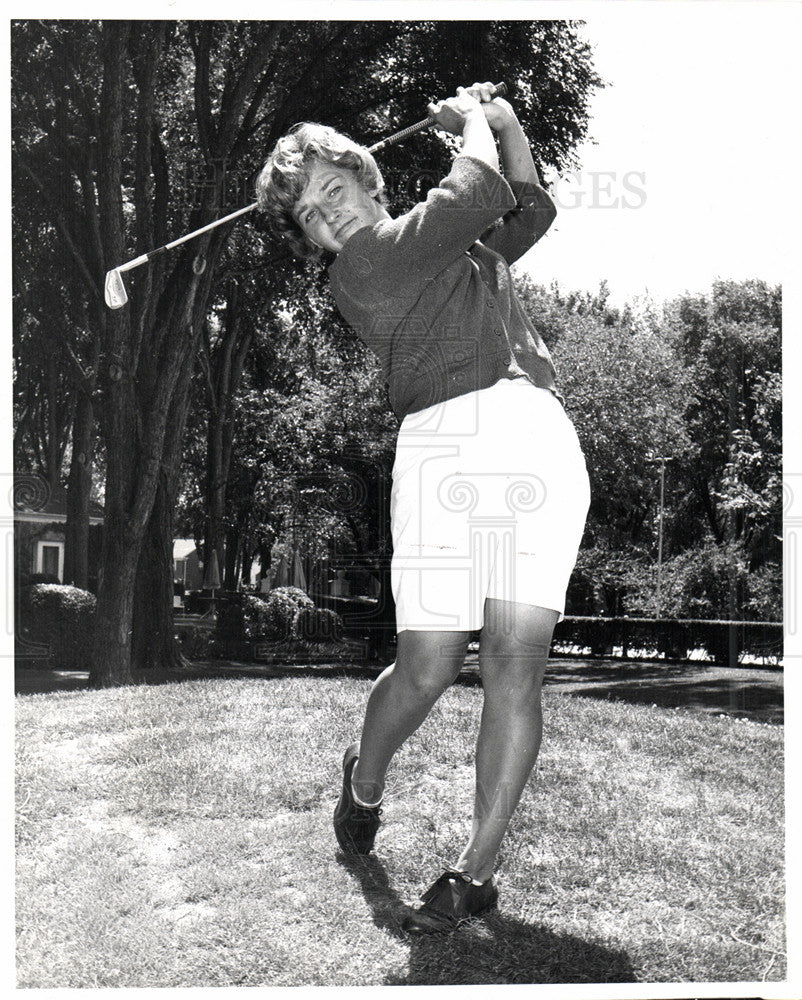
(499, 90)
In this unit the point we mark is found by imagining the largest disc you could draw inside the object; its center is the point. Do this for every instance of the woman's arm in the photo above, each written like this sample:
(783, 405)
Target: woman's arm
(522, 228)
(402, 255)
(475, 115)
(464, 115)
(516, 156)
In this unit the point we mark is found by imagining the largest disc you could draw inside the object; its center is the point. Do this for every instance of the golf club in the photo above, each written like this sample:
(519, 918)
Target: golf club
(115, 293)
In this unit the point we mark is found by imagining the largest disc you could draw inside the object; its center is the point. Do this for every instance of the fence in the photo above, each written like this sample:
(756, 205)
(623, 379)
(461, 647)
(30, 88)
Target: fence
(723, 642)
(672, 639)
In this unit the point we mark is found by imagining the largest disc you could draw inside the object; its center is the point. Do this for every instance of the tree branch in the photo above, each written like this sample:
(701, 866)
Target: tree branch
(205, 358)
(83, 380)
(203, 107)
(62, 227)
(75, 76)
(235, 98)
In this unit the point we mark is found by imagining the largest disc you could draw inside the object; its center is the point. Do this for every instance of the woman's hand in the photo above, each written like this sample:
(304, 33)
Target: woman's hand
(497, 111)
(476, 115)
(453, 113)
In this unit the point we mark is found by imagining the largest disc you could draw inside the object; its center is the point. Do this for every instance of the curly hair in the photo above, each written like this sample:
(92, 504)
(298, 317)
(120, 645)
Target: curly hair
(284, 177)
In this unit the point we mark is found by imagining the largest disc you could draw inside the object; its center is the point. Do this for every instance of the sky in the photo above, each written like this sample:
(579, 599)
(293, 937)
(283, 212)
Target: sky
(696, 139)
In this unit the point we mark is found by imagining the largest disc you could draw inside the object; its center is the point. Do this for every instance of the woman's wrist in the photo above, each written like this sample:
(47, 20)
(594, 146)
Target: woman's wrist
(510, 127)
(516, 154)
(478, 139)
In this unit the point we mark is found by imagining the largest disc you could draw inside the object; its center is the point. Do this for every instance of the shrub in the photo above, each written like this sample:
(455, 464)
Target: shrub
(765, 593)
(197, 643)
(695, 583)
(254, 617)
(62, 617)
(274, 617)
(282, 607)
(318, 625)
(230, 617)
(299, 597)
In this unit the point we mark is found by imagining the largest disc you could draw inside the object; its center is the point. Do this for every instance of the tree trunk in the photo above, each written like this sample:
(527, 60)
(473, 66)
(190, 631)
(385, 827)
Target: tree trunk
(225, 364)
(110, 663)
(215, 490)
(52, 459)
(154, 643)
(230, 569)
(79, 490)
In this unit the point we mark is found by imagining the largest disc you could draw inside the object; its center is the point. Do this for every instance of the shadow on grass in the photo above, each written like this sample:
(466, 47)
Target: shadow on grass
(744, 693)
(492, 949)
(741, 692)
(43, 680)
(764, 704)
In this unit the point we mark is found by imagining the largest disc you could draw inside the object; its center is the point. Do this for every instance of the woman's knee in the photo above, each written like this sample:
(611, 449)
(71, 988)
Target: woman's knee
(513, 651)
(514, 681)
(429, 662)
(516, 632)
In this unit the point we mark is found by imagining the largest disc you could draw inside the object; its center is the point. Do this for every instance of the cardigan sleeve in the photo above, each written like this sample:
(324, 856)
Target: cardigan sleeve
(521, 228)
(400, 256)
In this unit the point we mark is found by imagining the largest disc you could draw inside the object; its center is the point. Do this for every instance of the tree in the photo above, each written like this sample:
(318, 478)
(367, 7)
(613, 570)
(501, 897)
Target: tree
(312, 429)
(699, 382)
(55, 365)
(625, 391)
(730, 345)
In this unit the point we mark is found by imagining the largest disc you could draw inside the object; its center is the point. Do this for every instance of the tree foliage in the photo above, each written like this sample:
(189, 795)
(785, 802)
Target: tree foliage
(698, 384)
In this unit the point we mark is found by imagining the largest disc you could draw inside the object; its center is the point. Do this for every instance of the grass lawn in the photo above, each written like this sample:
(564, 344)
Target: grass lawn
(180, 835)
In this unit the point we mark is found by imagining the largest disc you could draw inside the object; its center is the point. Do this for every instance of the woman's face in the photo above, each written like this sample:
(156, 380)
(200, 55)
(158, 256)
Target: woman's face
(334, 205)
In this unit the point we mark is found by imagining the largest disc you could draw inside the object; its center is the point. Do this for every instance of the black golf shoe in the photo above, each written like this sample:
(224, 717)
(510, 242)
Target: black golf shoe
(451, 901)
(355, 826)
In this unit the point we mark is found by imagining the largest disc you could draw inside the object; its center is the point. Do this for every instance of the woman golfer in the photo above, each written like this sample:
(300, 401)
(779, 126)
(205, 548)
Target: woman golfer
(490, 489)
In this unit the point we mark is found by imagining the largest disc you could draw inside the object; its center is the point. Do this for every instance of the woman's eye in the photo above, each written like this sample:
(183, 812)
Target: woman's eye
(310, 216)
(334, 190)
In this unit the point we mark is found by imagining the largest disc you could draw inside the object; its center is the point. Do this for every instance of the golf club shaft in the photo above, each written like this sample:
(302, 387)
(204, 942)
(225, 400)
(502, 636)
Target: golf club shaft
(498, 91)
(183, 239)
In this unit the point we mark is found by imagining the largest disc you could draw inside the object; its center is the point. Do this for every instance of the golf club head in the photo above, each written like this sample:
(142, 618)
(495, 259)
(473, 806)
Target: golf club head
(116, 295)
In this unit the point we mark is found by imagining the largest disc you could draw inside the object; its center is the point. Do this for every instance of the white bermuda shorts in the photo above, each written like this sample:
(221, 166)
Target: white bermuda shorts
(489, 498)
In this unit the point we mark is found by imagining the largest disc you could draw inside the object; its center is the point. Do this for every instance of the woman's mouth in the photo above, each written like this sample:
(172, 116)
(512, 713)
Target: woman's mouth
(342, 230)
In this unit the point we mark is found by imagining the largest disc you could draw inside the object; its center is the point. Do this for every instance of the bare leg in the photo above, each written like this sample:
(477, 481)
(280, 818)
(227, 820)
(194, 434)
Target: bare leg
(513, 651)
(401, 698)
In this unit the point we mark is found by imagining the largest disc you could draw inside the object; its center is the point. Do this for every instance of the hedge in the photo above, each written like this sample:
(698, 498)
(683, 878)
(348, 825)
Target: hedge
(673, 639)
(61, 619)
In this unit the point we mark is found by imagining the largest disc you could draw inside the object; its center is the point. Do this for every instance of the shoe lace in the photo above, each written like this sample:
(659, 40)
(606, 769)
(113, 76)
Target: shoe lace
(451, 875)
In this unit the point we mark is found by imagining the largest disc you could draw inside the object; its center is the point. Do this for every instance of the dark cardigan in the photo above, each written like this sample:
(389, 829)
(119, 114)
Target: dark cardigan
(431, 293)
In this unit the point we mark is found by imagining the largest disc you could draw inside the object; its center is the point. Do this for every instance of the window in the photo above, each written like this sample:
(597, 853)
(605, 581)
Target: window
(49, 559)
(180, 571)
